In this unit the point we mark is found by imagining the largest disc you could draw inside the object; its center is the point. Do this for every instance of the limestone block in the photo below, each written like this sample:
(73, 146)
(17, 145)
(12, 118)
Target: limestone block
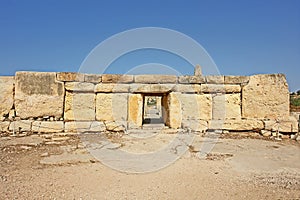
(135, 110)
(161, 88)
(79, 86)
(4, 126)
(79, 106)
(116, 126)
(92, 78)
(174, 106)
(6, 94)
(226, 106)
(112, 87)
(145, 88)
(214, 88)
(285, 126)
(191, 79)
(266, 97)
(23, 125)
(237, 79)
(237, 125)
(38, 94)
(84, 126)
(195, 125)
(214, 79)
(196, 106)
(185, 88)
(70, 76)
(117, 78)
(47, 127)
(111, 107)
(155, 79)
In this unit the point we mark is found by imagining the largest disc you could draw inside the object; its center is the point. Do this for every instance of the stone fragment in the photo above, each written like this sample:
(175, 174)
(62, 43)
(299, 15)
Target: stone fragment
(4, 126)
(214, 88)
(70, 76)
(185, 88)
(79, 106)
(38, 94)
(6, 94)
(47, 126)
(84, 126)
(135, 110)
(266, 97)
(22, 125)
(214, 79)
(116, 126)
(79, 86)
(266, 133)
(237, 79)
(284, 126)
(92, 78)
(112, 87)
(191, 79)
(226, 106)
(155, 79)
(117, 78)
(111, 107)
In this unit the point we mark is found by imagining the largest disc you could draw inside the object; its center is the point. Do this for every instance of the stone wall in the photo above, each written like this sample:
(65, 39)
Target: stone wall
(72, 102)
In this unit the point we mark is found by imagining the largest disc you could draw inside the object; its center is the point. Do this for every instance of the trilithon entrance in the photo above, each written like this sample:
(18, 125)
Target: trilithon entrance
(153, 110)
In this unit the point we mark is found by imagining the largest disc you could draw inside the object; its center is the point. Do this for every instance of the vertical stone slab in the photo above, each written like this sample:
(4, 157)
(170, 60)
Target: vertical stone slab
(227, 106)
(266, 97)
(79, 106)
(38, 94)
(111, 107)
(135, 110)
(6, 95)
(175, 114)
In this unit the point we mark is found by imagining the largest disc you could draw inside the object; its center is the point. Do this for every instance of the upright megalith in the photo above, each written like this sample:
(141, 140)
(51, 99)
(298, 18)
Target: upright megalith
(6, 95)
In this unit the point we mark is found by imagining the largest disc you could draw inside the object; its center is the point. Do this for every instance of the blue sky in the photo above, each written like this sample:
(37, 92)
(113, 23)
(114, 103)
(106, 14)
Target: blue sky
(243, 37)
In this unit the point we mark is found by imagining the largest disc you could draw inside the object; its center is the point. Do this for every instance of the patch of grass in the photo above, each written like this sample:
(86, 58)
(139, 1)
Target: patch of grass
(295, 101)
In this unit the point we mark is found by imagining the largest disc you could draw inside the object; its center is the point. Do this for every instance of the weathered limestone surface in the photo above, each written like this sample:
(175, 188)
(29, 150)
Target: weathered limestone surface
(47, 127)
(152, 88)
(117, 78)
(155, 79)
(70, 76)
(191, 79)
(4, 126)
(22, 125)
(112, 87)
(266, 97)
(214, 88)
(79, 106)
(111, 107)
(226, 106)
(79, 86)
(135, 110)
(237, 125)
(92, 78)
(196, 106)
(38, 94)
(84, 126)
(6, 94)
(290, 125)
(184, 88)
(195, 125)
(116, 126)
(175, 115)
(214, 79)
(237, 79)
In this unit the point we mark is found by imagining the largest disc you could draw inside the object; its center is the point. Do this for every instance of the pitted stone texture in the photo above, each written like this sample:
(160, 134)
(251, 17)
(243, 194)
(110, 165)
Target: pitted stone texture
(70, 76)
(214, 79)
(79, 86)
(284, 126)
(175, 114)
(151, 88)
(227, 106)
(6, 94)
(195, 125)
(38, 94)
(111, 107)
(196, 106)
(79, 106)
(237, 79)
(185, 88)
(237, 125)
(135, 110)
(47, 127)
(266, 97)
(112, 87)
(92, 78)
(81, 126)
(214, 88)
(191, 79)
(155, 79)
(22, 125)
(4, 126)
(117, 78)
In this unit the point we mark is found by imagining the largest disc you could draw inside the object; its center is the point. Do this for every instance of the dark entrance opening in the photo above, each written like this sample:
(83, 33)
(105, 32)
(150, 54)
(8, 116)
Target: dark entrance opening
(153, 109)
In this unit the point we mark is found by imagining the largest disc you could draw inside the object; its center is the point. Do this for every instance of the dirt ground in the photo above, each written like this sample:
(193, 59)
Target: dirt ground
(66, 167)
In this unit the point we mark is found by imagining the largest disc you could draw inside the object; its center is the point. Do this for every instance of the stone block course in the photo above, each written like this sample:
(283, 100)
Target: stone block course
(217, 79)
(117, 78)
(112, 88)
(237, 80)
(155, 79)
(47, 127)
(70, 76)
(79, 86)
(21, 125)
(84, 126)
(191, 79)
(92, 78)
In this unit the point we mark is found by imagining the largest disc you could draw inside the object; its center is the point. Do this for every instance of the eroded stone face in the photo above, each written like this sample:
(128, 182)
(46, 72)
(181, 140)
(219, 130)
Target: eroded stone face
(135, 110)
(174, 106)
(266, 97)
(226, 106)
(38, 94)
(155, 79)
(79, 106)
(47, 127)
(6, 94)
